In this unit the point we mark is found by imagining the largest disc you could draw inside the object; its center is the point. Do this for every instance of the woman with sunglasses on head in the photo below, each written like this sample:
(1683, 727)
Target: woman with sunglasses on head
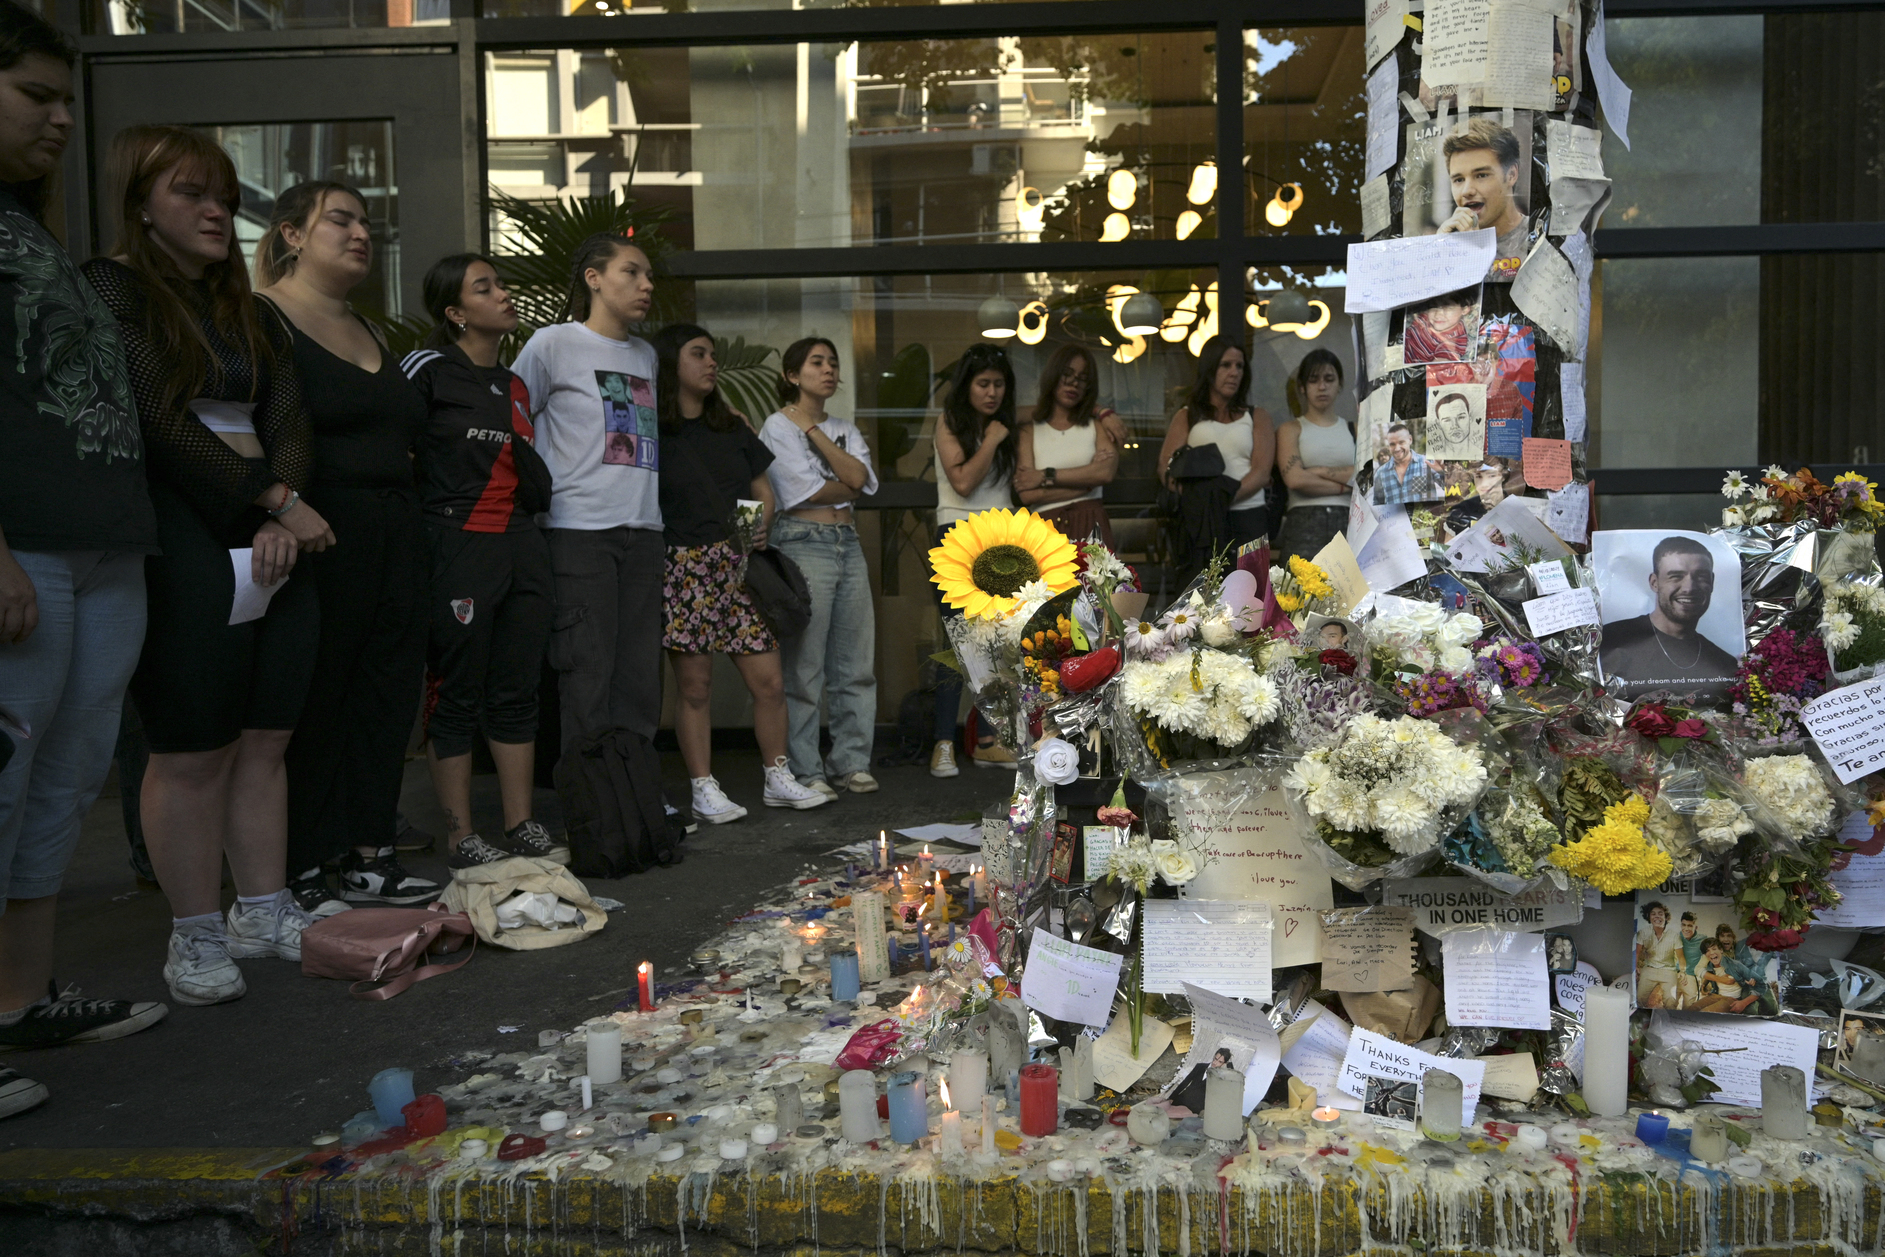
(490, 594)
(1070, 450)
(821, 464)
(1228, 509)
(977, 446)
(348, 755)
(230, 456)
(711, 461)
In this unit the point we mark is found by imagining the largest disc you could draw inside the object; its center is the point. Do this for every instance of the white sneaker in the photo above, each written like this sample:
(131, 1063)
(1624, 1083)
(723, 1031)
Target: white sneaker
(199, 970)
(821, 785)
(942, 760)
(783, 791)
(858, 783)
(711, 803)
(268, 929)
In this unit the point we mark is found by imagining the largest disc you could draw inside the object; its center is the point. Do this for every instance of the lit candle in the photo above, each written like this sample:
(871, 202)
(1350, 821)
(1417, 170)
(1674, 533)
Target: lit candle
(988, 1126)
(1652, 1127)
(1223, 1104)
(968, 1078)
(857, 1105)
(1530, 1139)
(941, 897)
(645, 980)
(979, 885)
(1442, 1105)
(1783, 1102)
(1708, 1139)
(844, 979)
(605, 1054)
(880, 854)
(1040, 1101)
(926, 861)
(1326, 1118)
(873, 949)
(1606, 1050)
(950, 1140)
(909, 1115)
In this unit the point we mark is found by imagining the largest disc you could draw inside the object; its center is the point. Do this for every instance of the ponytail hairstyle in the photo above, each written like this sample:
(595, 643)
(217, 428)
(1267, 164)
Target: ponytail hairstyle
(714, 411)
(443, 288)
(1202, 402)
(592, 254)
(966, 423)
(793, 359)
(23, 34)
(140, 156)
(296, 207)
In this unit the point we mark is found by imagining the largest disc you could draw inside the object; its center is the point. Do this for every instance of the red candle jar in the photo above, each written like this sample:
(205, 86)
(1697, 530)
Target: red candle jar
(1040, 1100)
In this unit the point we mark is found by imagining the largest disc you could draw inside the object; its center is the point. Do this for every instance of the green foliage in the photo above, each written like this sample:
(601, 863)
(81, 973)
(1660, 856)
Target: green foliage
(539, 273)
(746, 380)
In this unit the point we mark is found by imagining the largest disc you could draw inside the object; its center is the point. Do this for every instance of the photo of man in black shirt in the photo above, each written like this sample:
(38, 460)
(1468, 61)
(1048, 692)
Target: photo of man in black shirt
(1666, 649)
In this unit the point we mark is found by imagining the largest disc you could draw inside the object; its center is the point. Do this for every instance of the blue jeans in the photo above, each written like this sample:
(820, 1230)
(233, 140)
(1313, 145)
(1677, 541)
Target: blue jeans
(67, 682)
(834, 660)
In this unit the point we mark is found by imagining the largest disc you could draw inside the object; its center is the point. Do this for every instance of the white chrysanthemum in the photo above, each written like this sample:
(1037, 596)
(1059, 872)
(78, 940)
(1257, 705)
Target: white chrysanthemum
(1344, 804)
(1791, 788)
(1308, 774)
(1035, 591)
(1257, 699)
(1841, 630)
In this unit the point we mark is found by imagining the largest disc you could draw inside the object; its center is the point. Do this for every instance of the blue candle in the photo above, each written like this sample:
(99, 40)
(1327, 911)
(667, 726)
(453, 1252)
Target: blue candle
(909, 1110)
(922, 940)
(844, 976)
(1651, 1128)
(391, 1090)
(850, 872)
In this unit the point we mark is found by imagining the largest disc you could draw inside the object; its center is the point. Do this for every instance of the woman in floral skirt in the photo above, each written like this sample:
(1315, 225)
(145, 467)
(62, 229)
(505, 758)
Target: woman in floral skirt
(710, 461)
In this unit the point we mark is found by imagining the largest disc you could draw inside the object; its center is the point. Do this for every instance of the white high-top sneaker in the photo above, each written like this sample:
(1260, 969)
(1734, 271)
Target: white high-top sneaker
(782, 790)
(711, 803)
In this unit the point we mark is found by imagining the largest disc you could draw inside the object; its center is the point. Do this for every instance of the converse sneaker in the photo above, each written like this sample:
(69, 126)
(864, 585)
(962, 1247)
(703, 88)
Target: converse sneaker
(858, 783)
(783, 791)
(268, 929)
(199, 970)
(532, 839)
(711, 803)
(314, 895)
(819, 784)
(68, 1018)
(19, 1093)
(473, 851)
(380, 878)
(942, 760)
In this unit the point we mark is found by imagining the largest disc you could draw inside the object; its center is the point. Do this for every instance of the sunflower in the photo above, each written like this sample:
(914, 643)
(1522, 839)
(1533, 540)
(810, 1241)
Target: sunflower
(985, 560)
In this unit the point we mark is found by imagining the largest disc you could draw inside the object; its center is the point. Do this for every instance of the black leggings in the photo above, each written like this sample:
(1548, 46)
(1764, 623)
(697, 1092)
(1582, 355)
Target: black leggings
(348, 755)
(202, 680)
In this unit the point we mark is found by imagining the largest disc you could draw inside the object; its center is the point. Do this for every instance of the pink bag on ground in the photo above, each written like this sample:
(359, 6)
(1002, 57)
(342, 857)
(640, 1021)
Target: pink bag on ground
(385, 946)
(872, 1045)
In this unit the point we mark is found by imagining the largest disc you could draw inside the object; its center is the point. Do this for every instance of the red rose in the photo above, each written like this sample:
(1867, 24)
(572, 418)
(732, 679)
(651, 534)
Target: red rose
(1765, 918)
(1340, 660)
(1691, 728)
(1083, 673)
(1775, 940)
(1652, 722)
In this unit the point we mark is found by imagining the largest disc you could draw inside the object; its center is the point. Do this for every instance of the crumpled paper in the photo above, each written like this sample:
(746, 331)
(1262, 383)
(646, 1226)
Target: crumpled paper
(534, 907)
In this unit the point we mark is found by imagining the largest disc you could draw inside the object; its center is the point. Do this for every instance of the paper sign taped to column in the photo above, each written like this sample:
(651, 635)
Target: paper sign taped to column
(1390, 273)
(1221, 946)
(1849, 727)
(1519, 46)
(1861, 884)
(1453, 42)
(1573, 152)
(1384, 119)
(1568, 512)
(1387, 23)
(1069, 982)
(1547, 462)
(1372, 1055)
(1496, 978)
(1375, 214)
(1546, 291)
(1612, 93)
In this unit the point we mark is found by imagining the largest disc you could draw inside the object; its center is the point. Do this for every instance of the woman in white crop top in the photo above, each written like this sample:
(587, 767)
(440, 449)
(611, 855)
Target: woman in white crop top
(1231, 509)
(1070, 449)
(1317, 455)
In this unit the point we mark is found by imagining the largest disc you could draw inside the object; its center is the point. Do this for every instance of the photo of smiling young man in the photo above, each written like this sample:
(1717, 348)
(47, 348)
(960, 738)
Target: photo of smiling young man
(1484, 169)
(1671, 606)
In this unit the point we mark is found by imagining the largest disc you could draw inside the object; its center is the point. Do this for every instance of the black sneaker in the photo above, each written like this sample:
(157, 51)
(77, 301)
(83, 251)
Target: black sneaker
(69, 1018)
(379, 878)
(19, 1093)
(411, 838)
(532, 839)
(315, 896)
(473, 851)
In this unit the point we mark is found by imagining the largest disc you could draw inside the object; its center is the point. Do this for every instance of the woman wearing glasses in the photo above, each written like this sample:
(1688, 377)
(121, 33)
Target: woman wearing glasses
(1070, 451)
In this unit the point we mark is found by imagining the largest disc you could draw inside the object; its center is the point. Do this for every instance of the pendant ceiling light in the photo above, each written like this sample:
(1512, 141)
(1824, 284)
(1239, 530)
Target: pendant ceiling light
(1288, 310)
(1203, 183)
(1116, 227)
(1281, 209)
(1188, 222)
(1141, 315)
(1122, 188)
(998, 317)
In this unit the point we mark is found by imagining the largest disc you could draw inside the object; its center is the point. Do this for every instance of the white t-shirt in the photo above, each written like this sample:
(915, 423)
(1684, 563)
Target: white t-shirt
(593, 403)
(798, 470)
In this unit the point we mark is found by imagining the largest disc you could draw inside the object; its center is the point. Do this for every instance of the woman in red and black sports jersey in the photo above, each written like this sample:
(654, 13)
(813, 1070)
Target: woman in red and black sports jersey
(492, 596)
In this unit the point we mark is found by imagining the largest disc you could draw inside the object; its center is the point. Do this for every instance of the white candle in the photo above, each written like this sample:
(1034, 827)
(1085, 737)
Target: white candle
(951, 1137)
(1223, 1104)
(1783, 1102)
(1708, 1139)
(589, 1098)
(605, 1054)
(1081, 1088)
(988, 1125)
(765, 1133)
(968, 1078)
(1530, 1139)
(857, 1105)
(1607, 1050)
(981, 883)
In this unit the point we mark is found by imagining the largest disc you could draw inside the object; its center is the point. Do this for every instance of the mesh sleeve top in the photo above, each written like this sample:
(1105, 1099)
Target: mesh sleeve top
(180, 449)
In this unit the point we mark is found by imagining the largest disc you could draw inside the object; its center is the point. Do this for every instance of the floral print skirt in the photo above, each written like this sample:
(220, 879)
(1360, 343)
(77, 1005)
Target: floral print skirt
(707, 609)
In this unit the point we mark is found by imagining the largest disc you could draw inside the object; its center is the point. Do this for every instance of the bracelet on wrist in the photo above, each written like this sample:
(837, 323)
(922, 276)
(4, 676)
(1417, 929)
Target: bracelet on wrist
(288, 503)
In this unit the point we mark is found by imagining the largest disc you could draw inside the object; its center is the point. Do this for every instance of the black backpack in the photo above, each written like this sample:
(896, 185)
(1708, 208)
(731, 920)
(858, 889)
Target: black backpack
(611, 792)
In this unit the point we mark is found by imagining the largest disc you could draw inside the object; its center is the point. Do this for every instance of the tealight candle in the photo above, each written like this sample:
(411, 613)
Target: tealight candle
(1326, 1118)
(1745, 1167)
(1530, 1138)
(1652, 1127)
(733, 1150)
(553, 1120)
(1708, 1139)
(765, 1133)
(1060, 1171)
(1565, 1134)
(662, 1122)
(472, 1149)
(1148, 1124)
(671, 1152)
(1291, 1137)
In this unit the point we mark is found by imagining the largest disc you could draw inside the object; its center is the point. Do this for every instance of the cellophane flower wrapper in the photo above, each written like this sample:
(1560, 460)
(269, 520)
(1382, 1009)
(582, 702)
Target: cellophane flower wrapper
(1018, 869)
(1785, 566)
(1701, 812)
(1570, 655)
(1505, 840)
(990, 659)
(1187, 808)
(1796, 793)
(1852, 623)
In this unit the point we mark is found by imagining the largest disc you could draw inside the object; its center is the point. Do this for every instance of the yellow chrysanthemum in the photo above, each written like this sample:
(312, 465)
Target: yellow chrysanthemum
(1614, 856)
(985, 560)
(1314, 581)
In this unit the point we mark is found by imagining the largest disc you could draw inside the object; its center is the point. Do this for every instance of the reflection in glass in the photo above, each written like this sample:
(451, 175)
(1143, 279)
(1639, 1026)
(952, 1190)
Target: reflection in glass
(1090, 138)
(1305, 123)
(168, 17)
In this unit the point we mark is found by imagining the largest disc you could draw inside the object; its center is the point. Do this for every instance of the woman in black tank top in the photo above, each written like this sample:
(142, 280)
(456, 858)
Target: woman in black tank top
(348, 754)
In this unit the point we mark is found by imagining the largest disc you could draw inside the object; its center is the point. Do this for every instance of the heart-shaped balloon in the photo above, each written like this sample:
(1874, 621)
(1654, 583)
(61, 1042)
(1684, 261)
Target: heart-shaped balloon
(1240, 596)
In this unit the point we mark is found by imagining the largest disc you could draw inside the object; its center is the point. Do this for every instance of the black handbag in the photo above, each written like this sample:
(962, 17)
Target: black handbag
(778, 592)
(1190, 463)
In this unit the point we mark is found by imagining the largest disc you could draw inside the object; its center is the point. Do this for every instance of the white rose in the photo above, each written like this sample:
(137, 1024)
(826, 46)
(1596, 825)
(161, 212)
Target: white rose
(1219, 631)
(1175, 865)
(1056, 762)
(1456, 660)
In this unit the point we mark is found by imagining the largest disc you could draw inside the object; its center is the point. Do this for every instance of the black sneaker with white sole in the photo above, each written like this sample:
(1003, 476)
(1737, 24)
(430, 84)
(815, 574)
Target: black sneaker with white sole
(473, 851)
(19, 1093)
(532, 839)
(380, 878)
(70, 1018)
(315, 896)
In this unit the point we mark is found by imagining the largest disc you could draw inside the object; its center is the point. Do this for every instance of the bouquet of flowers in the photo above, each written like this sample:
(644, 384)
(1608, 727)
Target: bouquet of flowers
(1302, 589)
(1793, 790)
(1319, 696)
(1385, 791)
(744, 525)
(1850, 502)
(1853, 625)
(1616, 855)
(1781, 893)
(1505, 840)
(1783, 672)
(1424, 639)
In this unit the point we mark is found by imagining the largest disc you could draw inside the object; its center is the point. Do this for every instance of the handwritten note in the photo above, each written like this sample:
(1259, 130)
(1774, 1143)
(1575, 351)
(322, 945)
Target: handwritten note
(1571, 986)
(1097, 841)
(1368, 949)
(1114, 1065)
(251, 600)
(1372, 1055)
(1549, 578)
(1223, 947)
(1453, 42)
(1496, 978)
(1317, 1052)
(1763, 1043)
(1861, 883)
(1518, 57)
(1375, 214)
(1387, 23)
(1513, 1076)
(1069, 982)
(1392, 556)
(1384, 118)
(1254, 851)
(1490, 541)
(1390, 273)
(1547, 462)
(1573, 152)
(1849, 726)
(1546, 291)
(1344, 573)
(1217, 1021)
(1574, 608)
(1568, 514)
(1612, 93)
(1444, 904)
